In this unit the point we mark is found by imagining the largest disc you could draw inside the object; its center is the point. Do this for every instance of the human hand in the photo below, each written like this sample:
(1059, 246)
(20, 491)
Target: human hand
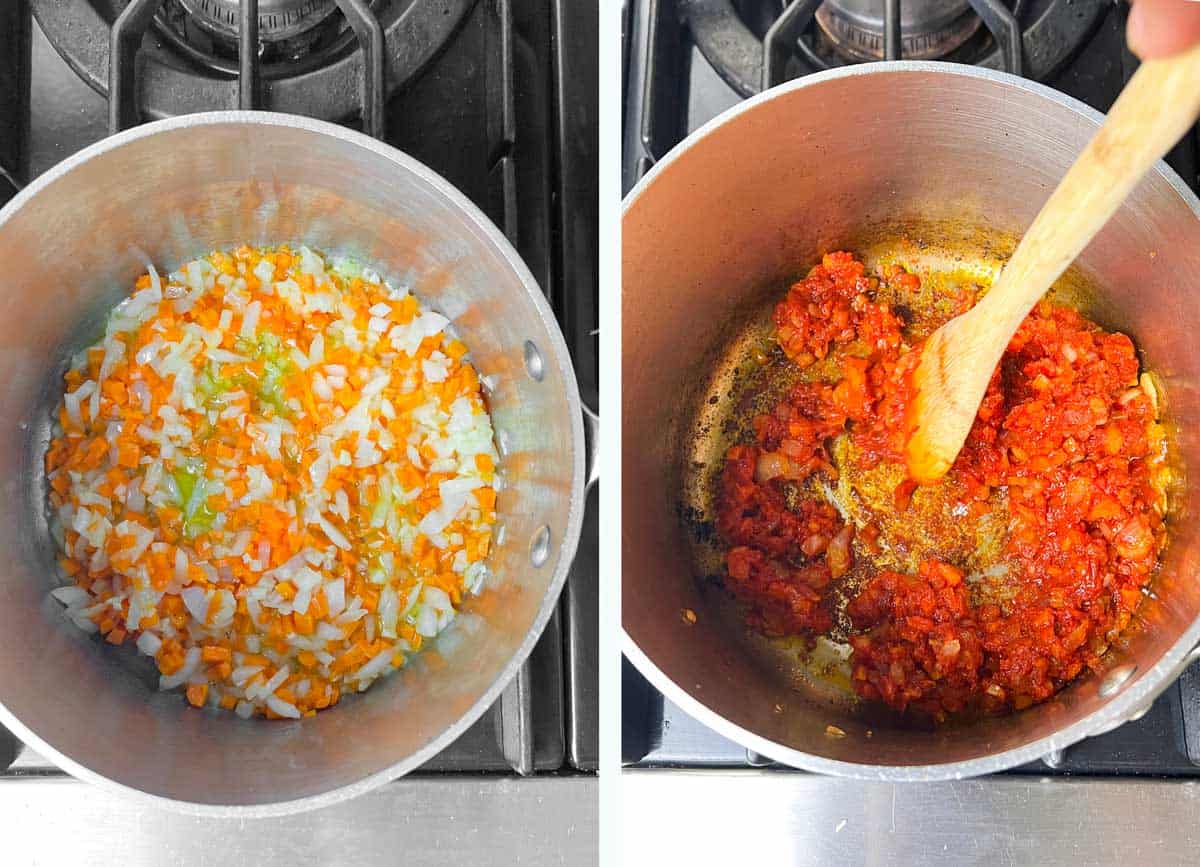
(1158, 28)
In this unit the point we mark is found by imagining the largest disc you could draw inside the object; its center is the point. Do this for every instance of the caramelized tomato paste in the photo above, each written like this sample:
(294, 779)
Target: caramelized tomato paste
(1065, 444)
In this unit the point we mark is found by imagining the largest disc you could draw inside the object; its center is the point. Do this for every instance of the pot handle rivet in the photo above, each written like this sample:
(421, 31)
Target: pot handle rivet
(534, 365)
(539, 550)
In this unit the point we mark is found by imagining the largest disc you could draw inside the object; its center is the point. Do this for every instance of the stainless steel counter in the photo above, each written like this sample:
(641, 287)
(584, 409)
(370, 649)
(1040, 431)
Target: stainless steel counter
(417, 820)
(771, 817)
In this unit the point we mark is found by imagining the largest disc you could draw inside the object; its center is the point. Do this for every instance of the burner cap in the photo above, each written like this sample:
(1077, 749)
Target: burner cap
(929, 29)
(277, 19)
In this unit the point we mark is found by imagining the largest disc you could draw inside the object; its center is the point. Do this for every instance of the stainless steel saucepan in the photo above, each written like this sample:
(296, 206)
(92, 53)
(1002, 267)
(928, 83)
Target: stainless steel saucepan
(71, 244)
(940, 166)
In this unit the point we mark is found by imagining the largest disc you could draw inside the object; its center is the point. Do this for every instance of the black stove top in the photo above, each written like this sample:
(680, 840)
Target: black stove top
(496, 96)
(686, 61)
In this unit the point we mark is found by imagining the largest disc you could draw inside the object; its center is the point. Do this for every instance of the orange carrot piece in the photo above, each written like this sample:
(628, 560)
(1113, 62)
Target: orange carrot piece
(215, 653)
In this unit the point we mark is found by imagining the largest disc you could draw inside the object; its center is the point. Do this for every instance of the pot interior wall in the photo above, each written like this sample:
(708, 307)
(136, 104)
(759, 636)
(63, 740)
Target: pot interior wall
(71, 252)
(926, 154)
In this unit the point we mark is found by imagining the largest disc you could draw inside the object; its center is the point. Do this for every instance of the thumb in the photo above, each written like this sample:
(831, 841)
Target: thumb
(1158, 28)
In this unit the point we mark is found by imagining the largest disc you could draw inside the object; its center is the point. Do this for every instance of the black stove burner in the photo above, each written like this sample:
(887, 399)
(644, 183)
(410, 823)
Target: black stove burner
(278, 20)
(294, 36)
(183, 72)
(929, 29)
(755, 44)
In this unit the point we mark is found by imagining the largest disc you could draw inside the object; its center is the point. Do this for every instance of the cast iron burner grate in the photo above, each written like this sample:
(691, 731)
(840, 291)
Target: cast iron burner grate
(296, 56)
(1165, 742)
(862, 30)
(756, 44)
(294, 36)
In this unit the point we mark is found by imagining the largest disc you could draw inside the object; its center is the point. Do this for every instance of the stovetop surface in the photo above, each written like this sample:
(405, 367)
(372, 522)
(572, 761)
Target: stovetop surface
(670, 90)
(499, 111)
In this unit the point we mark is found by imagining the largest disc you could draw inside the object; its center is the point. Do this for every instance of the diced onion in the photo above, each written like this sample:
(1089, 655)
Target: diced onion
(219, 366)
(149, 643)
(335, 596)
(283, 708)
(196, 601)
(70, 595)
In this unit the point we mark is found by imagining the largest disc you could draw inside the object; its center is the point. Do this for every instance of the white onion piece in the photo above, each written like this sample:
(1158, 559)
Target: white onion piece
(283, 708)
(838, 554)
(70, 595)
(196, 601)
(771, 465)
(335, 595)
(149, 643)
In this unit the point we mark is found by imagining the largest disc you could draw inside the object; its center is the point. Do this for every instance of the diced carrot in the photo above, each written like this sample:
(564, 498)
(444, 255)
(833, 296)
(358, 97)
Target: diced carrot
(128, 454)
(197, 693)
(170, 656)
(303, 623)
(228, 452)
(114, 390)
(318, 607)
(215, 653)
(370, 599)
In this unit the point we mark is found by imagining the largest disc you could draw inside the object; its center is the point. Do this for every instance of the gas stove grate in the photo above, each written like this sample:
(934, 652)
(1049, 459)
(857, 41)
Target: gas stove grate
(786, 36)
(129, 30)
(401, 38)
(1033, 41)
(674, 49)
(1165, 742)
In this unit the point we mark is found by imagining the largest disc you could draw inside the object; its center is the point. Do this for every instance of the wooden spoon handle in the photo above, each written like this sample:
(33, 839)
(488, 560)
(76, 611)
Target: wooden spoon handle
(1160, 103)
(1157, 106)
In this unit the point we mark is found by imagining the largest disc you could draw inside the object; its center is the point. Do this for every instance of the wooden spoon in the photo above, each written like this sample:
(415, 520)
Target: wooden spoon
(1155, 109)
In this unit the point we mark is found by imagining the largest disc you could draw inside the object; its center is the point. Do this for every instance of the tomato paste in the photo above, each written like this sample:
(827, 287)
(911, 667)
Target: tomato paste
(1066, 446)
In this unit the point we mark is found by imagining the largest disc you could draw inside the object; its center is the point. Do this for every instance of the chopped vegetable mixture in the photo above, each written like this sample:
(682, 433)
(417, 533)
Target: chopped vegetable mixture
(274, 475)
(1066, 450)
